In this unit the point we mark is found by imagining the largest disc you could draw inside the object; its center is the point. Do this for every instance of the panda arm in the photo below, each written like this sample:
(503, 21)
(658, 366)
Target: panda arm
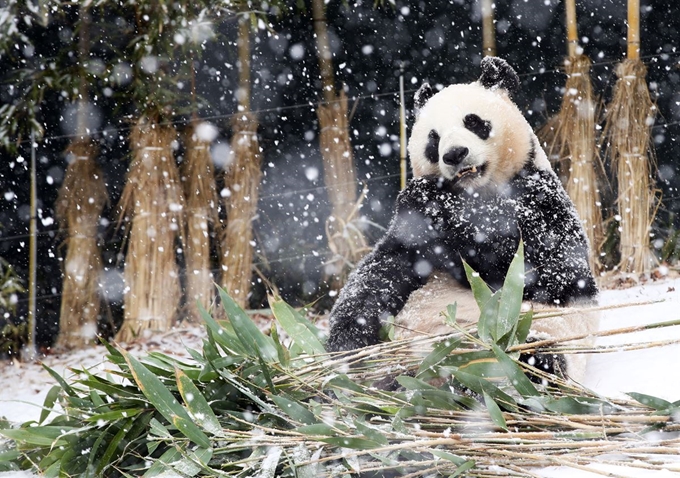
(558, 271)
(383, 281)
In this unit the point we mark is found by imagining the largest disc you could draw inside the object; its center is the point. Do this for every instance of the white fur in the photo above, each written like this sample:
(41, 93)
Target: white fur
(510, 140)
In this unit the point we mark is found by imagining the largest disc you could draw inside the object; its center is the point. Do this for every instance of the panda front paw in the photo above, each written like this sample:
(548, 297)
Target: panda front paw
(553, 364)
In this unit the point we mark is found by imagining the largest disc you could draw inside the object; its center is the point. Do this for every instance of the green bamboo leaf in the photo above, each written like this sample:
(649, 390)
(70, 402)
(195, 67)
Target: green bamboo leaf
(468, 465)
(450, 316)
(370, 433)
(253, 340)
(45, 435)
(650, 401)
(197, 404)
(523, 327)
(114, 448)
(456, 460)
(511, 295)
(351, 442)
(166, 404)
(514, 372)
(579, 406)
(295, 326)
(495, 411)
(440, 351)
(411, 383)
(294, 410)
(318, 429)
(283, 353)
(62, 383)
(114, 415)
(222, 335)
(49, 402)
(480, 290)
(488, 318)
(482, 386)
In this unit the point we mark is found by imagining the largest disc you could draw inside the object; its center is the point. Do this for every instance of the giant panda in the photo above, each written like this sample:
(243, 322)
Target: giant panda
(481, 183)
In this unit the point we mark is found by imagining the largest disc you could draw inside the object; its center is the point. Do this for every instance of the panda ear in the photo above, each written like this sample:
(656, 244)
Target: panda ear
(424, 93)
(497, 73)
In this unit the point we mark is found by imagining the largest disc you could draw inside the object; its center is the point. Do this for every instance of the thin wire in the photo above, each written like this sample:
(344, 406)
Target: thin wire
(314, 104)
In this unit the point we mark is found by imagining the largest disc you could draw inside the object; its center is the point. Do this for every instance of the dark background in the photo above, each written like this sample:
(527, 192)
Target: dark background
(439, 42)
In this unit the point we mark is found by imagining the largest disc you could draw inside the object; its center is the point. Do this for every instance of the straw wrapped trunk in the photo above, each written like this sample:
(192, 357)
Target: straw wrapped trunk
(242, 180)
(629, 119)
(154, 203)
(345, 239)
(201, 199)
(81, 199)
(571, 141)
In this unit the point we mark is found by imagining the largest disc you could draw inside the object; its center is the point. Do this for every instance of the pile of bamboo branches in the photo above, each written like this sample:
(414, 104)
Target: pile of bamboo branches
(249, 404)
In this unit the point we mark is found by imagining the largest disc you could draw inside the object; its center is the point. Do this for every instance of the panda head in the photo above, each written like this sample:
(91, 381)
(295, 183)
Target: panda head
(473, 134)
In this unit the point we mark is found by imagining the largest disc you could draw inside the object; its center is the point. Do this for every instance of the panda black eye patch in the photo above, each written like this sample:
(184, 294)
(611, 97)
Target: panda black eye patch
(432, 148)
(477, 125)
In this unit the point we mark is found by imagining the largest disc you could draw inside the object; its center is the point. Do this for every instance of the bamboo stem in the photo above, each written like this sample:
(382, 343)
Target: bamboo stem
(572, 28)
(488, 28)
(633, 29)
(324, 51)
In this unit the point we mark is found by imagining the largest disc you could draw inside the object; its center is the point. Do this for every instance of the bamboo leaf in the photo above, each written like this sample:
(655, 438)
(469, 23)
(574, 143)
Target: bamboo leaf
(49, 402)
(511, 295)
(43, 435)
(450, 316)
(294, 325)
(166, 404)
(294, 410)
(370, 433)
(495, 411)
(440, 351)
(222, 335)
(197, 404)
(351, 442)
(514, 372)
(650, 401)
(252, 339)
(481, 386)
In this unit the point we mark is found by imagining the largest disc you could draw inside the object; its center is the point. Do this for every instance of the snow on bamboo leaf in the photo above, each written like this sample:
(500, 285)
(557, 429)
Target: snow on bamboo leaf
(166, 404)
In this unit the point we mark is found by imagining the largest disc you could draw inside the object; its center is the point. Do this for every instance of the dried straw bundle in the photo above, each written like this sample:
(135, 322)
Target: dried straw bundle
(571, 141)
(79, 205)
(243, 181)
(153, 199)
(201, 199)
(627, 129)
(345, 239)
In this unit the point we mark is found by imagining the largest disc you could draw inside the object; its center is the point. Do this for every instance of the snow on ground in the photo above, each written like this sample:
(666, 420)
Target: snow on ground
(653, 371)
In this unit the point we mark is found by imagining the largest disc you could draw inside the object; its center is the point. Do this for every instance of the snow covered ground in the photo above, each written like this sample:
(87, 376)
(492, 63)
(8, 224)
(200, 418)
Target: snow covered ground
(653, 371)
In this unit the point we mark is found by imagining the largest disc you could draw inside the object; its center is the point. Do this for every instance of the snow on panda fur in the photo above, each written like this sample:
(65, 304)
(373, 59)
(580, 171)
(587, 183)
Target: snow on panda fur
(481, 182)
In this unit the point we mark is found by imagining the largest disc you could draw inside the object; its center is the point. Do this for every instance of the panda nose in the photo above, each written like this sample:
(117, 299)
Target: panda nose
(454, 156)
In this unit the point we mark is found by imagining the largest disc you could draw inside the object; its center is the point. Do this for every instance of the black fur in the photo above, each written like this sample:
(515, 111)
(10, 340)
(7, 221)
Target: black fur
(497, 73)
(477, 125)
(432, 147)
(424, 93)
(437, 225)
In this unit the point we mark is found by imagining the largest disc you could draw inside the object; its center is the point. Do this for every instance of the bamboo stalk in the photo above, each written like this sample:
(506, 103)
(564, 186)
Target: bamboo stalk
(572, 28)
(488, 28)
(633, 42)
